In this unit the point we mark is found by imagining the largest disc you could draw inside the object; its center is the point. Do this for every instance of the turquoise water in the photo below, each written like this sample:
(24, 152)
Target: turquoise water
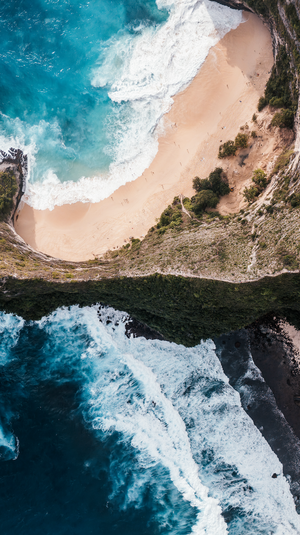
(104, 434)
(48, 52)
(85, 83)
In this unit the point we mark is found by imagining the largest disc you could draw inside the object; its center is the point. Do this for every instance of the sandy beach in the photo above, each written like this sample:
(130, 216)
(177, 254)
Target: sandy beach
(221, 98)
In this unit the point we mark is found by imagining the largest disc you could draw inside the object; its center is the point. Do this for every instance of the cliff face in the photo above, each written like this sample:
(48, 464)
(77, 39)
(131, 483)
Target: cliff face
(283, 19)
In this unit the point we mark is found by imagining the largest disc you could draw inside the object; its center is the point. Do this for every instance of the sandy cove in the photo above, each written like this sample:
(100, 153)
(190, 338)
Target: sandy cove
(221, 98)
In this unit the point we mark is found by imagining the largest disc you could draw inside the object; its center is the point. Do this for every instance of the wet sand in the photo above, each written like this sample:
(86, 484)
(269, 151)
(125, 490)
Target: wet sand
(221, 98)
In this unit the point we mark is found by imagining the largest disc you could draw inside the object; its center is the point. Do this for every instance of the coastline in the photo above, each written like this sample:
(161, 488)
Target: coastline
(223, 94)
(257, 361)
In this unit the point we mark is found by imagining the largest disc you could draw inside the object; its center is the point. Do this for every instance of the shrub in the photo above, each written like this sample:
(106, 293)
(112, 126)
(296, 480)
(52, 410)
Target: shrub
(295, 200)
(279, 84)
(260, 178)
(227, 149)
(8, 188)
(290, 260)
(204, 199)
(282, 161)
(262, 103)
(216, 182)
(276, 102)
(283, 119)
(170, 217)
(260, 181)
(293, 17)
(135, 243)
(250, 193)
(241, 141)
(253, 134)
(166, 217)
(254, 117)
(187, 204)
(201, 184)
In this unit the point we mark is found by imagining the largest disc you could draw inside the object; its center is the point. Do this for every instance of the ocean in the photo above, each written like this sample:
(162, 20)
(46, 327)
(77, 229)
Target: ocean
(85, 85)
(104, 433)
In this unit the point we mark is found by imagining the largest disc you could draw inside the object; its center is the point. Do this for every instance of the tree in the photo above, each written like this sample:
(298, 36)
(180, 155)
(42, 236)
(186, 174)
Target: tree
(204, 199)
(216, 182)
(201, 184)
(227, 149)
(283, 119)
(260, 180)
(241, 141)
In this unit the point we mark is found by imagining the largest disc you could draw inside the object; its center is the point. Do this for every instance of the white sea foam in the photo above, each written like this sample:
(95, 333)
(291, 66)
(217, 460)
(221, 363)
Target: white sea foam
(10, 327)
(142, 72)
(175, 407)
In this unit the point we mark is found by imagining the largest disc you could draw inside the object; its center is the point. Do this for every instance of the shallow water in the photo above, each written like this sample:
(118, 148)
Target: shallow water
(84, 83)
(105, 434)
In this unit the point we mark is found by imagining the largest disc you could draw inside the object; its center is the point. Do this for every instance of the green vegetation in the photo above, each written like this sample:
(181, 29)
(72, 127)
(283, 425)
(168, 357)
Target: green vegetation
(216, 182)
(227, 149)
(293, 18)
(280, 92)
(204, 199)
(262, 103)
(282, 161)
(283, 119)
(230, 147)
(8, 188)
(209, 191)
(278, 85)
(295, 200)
(170, 218)
(241, 141)
(183, 309)
(260, 182)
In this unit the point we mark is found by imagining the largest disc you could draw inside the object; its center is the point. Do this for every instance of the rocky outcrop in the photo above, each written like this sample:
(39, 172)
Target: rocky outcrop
(16, 160)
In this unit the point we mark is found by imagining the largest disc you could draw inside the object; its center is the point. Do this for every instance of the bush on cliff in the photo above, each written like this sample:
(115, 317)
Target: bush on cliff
(8, 188)
(260, 182)
(227, 149)
(283, 119)
(262, 103)
(280, 91)
(170, 218)
(241, 141)
(209, 190)
(204, 199)
(216, 182)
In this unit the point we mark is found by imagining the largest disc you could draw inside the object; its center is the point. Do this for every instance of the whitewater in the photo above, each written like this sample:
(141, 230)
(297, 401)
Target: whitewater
(167, 441)
(91, 83)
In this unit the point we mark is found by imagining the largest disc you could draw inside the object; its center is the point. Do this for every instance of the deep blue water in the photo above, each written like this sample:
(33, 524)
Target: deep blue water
(104, 434)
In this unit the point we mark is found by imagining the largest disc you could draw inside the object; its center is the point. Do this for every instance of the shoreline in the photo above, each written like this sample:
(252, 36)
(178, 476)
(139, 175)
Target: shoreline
(269, 403)
(222, 96)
